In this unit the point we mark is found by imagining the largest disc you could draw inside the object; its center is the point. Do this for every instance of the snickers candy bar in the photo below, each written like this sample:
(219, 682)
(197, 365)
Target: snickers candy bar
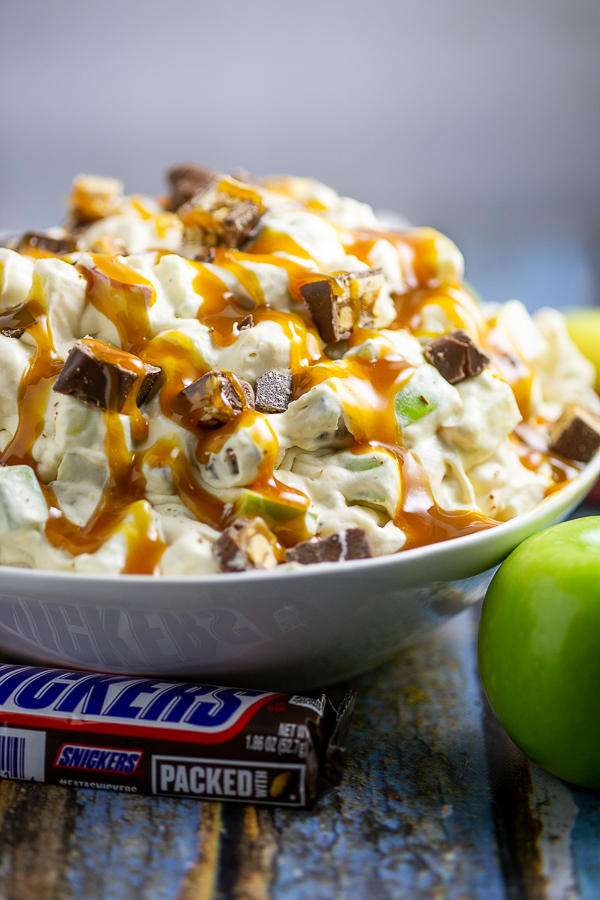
(273, 392)
(223, 219)
(186, 180)
(102, 376)
(247, 544)
(217, 397)
(168, 738)
(337, 304)
(576, 434)
(456, 356)
(36, 242)
(349, 544)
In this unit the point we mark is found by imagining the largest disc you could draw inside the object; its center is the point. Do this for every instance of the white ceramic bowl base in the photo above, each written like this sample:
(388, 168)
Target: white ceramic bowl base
(280, 630)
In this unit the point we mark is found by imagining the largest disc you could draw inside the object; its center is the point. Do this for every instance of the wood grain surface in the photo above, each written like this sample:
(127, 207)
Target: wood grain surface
(437, 803)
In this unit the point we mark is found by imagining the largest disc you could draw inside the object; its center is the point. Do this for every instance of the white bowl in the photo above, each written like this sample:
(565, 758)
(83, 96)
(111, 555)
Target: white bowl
(281, 630)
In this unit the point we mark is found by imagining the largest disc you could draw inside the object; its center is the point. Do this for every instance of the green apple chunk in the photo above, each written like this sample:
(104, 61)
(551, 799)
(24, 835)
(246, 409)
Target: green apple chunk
(252, 504)
(539, 649)
(363, 463)
(422, 395)
(22, 503)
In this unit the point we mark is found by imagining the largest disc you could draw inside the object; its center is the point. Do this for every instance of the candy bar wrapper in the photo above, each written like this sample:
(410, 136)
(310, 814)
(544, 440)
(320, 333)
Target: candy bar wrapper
(148, 736)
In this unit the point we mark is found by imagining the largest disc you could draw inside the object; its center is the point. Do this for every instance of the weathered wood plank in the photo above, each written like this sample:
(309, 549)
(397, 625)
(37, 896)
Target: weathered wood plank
(36, 822)
(585, 839)
(413, 817)
(548, 830)
(125, 847)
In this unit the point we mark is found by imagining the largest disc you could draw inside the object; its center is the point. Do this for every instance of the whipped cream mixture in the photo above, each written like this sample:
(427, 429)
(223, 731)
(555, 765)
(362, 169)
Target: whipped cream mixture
(372, 440)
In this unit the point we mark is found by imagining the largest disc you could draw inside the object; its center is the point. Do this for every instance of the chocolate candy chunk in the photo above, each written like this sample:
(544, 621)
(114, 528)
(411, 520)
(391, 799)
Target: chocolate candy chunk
(248, 393)
(93, 197)
(217, 397)
(15, 320)
(576, 434)
(187, 180)
(247, 322)
(219, 218)
(206, 256)
(456, 356)
(273, 392)
(247, 544)
(339, 303)
(102, 376)
(349, 544)
(240, 223)
(110, 245)
(38, 242)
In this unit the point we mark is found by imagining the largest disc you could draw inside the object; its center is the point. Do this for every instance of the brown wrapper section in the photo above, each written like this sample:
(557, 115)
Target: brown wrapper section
(157, 737)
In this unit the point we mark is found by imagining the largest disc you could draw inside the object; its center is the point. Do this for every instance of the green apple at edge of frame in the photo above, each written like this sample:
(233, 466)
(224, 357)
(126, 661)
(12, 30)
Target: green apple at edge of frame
(539, 649)
(584, 327)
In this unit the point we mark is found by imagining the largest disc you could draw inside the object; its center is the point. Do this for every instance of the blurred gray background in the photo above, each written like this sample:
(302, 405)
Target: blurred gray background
(481, 117)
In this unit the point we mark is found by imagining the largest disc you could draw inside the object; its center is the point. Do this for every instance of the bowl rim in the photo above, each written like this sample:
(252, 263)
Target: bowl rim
(558, 501)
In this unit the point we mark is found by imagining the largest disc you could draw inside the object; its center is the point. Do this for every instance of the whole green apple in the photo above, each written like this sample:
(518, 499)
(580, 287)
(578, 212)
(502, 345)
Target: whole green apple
(539, 649)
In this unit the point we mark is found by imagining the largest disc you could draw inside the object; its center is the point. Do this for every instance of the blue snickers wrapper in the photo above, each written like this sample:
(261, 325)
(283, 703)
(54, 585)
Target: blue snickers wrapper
(148, 736)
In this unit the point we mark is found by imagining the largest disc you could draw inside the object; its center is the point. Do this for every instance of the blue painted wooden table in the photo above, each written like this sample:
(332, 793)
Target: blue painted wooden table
(437, 803)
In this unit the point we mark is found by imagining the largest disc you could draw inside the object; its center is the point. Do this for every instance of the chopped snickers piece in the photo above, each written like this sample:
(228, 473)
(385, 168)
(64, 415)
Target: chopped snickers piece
(103, 377)
(186, 180)
(248, 393)
(576, 434)
(247, 322)
(456, 356)
(217, 397)
(15, 320)
(273, 392)
(349, 544)
(93, 197)
(247, 544)
(339, 303)
(35, 242)
(111, 245)
(206, 256)
(223, 218)
(241, 223)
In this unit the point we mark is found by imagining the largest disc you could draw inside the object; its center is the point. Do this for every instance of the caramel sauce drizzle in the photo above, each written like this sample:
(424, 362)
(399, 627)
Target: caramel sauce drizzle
(289, 530)
(367, 389)
(532, 449)
(123, 296)
(122, 497)
(162, 220)
(458, 305)
(512, 369)
(421, 519)
(35, 386)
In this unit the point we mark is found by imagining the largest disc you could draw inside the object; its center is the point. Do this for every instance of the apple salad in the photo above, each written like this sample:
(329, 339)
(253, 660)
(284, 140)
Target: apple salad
(255, 372)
